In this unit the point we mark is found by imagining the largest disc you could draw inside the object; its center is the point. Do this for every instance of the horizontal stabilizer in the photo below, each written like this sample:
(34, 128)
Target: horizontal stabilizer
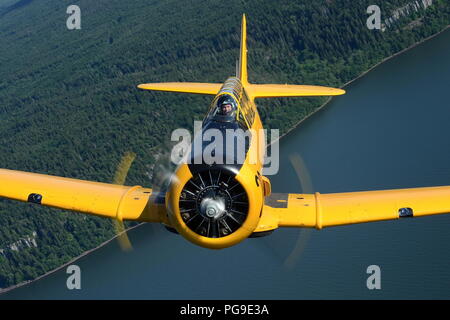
(186, 87)
(288, 90)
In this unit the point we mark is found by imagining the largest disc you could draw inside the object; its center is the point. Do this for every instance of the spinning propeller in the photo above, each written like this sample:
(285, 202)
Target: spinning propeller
(120, 178)
(305, 233)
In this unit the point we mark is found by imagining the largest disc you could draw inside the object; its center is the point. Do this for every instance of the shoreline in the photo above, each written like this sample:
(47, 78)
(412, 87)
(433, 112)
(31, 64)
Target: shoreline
(322, 106)
(16, 286)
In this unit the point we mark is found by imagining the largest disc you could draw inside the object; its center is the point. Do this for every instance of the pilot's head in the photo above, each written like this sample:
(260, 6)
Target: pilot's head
(226, 106)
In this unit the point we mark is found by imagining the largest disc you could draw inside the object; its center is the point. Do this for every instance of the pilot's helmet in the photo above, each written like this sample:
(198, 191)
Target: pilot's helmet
(226, 106)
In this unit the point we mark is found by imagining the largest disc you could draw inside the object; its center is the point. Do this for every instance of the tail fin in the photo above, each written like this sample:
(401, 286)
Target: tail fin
(242, 71)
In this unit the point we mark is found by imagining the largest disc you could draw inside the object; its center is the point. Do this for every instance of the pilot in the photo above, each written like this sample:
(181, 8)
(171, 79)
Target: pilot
(226, 106)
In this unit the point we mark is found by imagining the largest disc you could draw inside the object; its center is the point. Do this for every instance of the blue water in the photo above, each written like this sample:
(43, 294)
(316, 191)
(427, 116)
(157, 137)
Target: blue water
(391, 130)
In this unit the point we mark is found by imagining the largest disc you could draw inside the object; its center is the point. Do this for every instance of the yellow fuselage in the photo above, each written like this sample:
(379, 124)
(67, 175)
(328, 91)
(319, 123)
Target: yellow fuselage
(247, 174)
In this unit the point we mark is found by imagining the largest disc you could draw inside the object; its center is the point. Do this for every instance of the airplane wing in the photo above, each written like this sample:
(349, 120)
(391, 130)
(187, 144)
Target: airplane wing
(100, 199)
(326, 210)
(186, 87)
(289, 90)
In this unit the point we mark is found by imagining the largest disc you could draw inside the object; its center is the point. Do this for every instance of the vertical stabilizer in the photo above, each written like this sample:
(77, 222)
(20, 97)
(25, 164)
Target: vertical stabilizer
(242, 72)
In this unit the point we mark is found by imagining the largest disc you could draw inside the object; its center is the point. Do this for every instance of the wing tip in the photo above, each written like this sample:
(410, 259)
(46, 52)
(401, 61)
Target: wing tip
(340, 92)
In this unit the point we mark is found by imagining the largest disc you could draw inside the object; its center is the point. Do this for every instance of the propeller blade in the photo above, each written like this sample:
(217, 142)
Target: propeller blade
(307, 187)
(163, 167)
(120, 178)
(302, 173)
(122, 236)
(123, 168)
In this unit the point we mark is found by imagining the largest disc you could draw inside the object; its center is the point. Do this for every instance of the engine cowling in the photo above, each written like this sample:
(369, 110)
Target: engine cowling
(215, 207)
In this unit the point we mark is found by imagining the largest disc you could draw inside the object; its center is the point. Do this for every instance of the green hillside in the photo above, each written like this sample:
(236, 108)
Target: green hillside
(69, 104)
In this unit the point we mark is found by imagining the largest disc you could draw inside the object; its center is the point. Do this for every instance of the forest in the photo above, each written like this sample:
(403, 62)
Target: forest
(69, 105)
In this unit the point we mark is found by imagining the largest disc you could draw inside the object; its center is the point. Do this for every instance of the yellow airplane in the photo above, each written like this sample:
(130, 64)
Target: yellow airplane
(219, 205)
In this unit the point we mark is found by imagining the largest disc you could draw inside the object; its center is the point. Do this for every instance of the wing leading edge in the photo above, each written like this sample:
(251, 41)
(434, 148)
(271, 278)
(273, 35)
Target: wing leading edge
(326, 210)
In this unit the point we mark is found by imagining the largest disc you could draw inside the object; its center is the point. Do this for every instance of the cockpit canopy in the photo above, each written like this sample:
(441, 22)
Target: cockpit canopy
(224, 109)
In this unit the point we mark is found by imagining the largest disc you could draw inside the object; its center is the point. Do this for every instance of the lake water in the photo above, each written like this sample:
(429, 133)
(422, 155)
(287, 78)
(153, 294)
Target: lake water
(391, 130)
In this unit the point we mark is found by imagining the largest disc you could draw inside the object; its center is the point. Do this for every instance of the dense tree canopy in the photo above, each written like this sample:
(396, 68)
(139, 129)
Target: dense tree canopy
(69, 104)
